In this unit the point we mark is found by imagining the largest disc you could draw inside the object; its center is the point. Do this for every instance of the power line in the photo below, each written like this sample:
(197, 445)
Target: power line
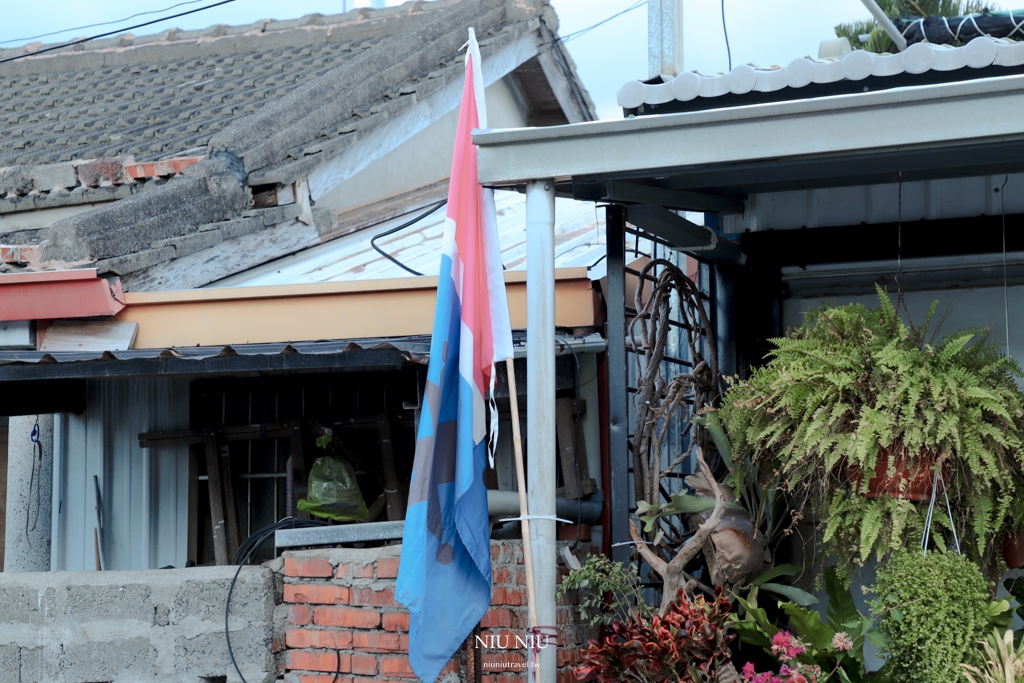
(111, 33)
(103, 23)
(576, 34)
(725, 30)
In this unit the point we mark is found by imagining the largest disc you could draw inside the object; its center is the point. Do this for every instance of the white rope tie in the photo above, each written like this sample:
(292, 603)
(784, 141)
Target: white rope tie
(1018, 26)
(551, 518)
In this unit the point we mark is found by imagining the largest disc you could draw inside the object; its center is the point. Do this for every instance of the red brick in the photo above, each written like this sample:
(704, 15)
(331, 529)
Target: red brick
(387, 568)
(310, 678)
(396, 666)
(451, 667)
(317, 594)
(497, 618)
(364, 664)
(299, 615)
(495, 549)
(355, 571)
(318, 660)
(501, 575)
(506, 596)
(396, 621)
(567, 657)
(347, 617)
(369, 597)
(328, 639)
(365, 641)
(308, 568)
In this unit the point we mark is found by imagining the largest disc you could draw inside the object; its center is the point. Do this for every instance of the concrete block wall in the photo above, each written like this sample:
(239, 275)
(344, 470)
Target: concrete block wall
(342, 619)
(136, 626)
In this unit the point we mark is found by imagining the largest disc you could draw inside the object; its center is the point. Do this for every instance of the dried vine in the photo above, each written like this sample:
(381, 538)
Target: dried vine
(658, 398)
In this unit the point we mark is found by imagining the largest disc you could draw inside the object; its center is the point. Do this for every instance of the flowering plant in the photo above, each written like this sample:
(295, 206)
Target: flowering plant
(787, 648)
(686, 645)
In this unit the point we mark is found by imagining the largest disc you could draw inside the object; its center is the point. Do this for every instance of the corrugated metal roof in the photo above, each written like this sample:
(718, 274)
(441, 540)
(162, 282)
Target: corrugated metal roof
(579, 241)
(858, 65)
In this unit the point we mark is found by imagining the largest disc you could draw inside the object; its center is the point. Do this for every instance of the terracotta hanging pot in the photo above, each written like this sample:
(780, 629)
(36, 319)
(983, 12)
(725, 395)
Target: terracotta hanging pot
(1013, 549)
(909, 478)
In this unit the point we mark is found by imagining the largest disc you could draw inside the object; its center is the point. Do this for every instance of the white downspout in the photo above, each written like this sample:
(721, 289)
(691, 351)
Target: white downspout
(540, 403)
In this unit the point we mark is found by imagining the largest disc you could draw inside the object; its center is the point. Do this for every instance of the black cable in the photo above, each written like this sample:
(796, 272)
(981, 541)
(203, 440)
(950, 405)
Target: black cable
(112, 33)
(102, 23)
(725, 30)
(582, 31)
(403, 226)
(249, 546)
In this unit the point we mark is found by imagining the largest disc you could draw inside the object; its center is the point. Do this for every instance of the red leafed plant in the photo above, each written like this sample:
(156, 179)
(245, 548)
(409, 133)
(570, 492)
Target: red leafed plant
(686, 645)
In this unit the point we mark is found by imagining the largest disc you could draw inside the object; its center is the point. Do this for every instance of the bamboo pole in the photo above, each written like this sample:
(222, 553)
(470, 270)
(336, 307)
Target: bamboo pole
(517, 443)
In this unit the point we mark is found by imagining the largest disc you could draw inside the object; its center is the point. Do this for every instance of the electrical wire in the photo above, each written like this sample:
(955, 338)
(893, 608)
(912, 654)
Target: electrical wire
(242, 557)
(725, 31)
(403, 226)
(102, 23)
(576, 34)
(112, 33)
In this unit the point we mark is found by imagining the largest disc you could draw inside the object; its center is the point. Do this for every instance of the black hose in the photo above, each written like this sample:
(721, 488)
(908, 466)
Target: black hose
(245, 552)
(403, 226)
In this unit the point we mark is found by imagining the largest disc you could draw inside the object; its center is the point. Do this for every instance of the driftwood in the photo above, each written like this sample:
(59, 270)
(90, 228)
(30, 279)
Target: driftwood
(672, 573)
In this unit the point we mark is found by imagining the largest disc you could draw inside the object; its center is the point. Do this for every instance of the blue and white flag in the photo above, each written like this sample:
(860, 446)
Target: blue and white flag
(445, 573)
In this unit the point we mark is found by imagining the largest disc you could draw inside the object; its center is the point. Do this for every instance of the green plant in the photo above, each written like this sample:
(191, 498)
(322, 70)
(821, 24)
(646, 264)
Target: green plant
(600, 577)
(688, 644)
(933, 610)
(1004, 663)
(878, 41)
(854, 380)
(835, 646)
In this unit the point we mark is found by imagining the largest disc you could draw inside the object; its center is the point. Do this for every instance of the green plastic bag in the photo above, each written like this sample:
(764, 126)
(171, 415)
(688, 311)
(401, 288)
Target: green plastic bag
(334, 492)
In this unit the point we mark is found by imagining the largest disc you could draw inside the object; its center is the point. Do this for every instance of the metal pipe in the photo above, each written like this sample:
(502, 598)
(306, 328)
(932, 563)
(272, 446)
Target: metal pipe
(886, 24)
(506, 504)
(540, 403)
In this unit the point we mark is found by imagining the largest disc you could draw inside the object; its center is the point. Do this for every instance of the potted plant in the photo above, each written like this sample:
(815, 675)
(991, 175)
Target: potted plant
(933, 610)
(857, 390)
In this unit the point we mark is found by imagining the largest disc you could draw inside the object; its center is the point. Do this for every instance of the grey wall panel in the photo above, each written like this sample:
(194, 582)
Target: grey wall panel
(144, 491)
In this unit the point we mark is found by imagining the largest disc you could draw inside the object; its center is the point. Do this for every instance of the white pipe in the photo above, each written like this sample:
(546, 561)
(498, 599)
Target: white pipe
(886, 24)
(540, 403)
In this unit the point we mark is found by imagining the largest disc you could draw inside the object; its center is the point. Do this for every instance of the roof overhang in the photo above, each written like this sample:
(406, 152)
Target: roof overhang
(58, 294)
(939, 131)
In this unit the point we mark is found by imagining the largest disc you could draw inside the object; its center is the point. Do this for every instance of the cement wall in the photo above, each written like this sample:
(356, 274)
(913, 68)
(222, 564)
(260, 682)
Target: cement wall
(138, 626)
(29, 503)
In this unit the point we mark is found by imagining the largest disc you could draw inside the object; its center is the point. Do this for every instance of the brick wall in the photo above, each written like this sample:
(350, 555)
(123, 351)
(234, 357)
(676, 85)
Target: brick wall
(340, 614)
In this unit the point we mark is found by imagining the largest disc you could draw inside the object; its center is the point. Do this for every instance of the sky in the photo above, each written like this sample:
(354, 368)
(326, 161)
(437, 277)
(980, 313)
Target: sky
(762, 32)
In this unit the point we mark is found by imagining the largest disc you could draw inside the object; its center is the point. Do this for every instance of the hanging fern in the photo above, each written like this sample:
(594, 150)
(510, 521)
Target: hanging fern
(854, 380)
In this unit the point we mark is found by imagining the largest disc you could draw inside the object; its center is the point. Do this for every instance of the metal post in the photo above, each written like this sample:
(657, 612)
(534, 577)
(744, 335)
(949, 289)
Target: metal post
(540, 402)
(886, 23)
(664, 37)
(617, 486)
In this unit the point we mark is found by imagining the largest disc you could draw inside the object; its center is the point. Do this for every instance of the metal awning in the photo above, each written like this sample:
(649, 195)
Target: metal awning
(940, 131)
(342, 355)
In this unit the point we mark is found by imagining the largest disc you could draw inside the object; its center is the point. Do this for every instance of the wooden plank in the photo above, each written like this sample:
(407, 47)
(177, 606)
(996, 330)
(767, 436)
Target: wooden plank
(220, 541)
(230, 509)
(179, 437)
(392, 489)
(295, 462)
(300, 190)
(89, 335)
(573, 460)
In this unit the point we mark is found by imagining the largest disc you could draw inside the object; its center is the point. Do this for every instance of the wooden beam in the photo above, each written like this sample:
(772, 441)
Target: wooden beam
(231, 510)
(571, 452)
(194, 451)
(220, 541)
(392, 489)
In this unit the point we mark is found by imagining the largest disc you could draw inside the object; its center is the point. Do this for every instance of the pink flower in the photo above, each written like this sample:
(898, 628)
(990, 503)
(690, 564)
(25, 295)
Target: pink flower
(748, 670)
(841, 642)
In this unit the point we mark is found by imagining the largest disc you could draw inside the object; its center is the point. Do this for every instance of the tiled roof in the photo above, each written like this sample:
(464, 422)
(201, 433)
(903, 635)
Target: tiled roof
(980, 57)
(262, 105)
(162, 95)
